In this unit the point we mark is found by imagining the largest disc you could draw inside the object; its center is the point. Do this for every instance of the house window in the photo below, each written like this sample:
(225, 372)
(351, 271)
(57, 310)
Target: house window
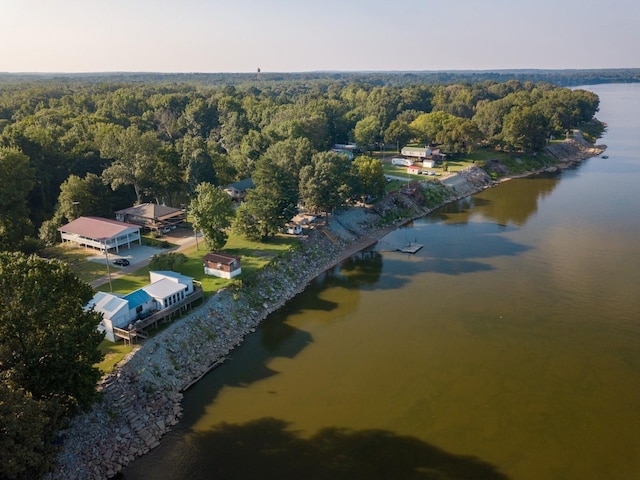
(139, 309)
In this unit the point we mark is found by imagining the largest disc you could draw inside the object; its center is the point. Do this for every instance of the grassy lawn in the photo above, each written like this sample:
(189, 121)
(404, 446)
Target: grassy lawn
(253, 255)
(113, 353)
(77, 258)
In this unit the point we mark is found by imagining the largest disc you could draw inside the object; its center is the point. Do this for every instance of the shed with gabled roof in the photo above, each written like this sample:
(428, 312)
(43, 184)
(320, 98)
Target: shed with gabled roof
(221, 265)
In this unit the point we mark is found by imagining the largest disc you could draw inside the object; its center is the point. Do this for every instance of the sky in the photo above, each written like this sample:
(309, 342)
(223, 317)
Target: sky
(316, 35)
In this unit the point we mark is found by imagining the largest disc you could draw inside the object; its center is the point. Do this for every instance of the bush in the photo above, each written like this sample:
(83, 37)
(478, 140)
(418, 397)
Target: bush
(167, 261)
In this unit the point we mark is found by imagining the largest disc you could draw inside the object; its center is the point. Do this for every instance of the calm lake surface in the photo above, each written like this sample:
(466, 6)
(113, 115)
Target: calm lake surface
(508, 347)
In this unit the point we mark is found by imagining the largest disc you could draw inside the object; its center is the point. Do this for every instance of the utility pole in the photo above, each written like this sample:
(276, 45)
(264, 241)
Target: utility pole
(106, 256)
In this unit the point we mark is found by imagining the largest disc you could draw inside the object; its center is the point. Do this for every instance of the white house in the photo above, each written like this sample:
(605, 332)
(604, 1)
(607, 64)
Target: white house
(165, 290)
(401, 161)
(428, 163)
(238, 190)
(100, 233)
(416, 152)
(115, 312)
(156, 275)
(293, 229)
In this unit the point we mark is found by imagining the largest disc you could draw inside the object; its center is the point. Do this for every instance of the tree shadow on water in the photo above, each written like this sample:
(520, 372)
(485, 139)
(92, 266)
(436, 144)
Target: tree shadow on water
(265, 449)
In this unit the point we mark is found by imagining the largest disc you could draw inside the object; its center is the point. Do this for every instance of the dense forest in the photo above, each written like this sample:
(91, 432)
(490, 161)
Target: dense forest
(74, 145)
(563, 78)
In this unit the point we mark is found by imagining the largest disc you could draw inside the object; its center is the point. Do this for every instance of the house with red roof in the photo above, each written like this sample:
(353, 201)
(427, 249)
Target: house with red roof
(101, 233)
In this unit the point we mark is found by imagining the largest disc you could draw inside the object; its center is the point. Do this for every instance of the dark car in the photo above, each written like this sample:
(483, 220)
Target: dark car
(123, 262)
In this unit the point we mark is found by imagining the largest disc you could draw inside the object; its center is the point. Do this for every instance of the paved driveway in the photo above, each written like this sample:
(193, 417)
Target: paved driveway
(136, 254)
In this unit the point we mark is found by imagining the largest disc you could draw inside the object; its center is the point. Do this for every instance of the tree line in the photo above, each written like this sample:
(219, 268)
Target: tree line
(70, 149)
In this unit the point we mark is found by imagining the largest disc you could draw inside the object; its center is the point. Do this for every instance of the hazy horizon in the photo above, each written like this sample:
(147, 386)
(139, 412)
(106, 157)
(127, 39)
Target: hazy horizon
(285, 36)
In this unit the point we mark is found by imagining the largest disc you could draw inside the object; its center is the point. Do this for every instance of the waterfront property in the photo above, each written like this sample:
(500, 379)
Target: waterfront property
(152, 216)
(101, 233)
(293, 228)
(348, 149)
(127, 316)
(222, 265)
(238, 190)
(424, 153)
(407, 162)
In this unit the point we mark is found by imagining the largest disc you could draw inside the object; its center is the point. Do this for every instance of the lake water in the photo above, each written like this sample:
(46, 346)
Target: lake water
(508, 347)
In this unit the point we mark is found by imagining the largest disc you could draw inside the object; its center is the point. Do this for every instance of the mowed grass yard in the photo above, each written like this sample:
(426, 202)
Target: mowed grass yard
(253, 255)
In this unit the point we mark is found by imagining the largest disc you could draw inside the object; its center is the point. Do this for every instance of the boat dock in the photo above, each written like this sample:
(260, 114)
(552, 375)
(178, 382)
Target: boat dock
(411, 247)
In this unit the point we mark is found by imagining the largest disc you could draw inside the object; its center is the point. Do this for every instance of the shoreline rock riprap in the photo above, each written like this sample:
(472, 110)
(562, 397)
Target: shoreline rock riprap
(142, 397)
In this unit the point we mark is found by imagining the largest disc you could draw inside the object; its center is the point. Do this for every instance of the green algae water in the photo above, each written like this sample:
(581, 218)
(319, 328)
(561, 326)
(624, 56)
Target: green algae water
(508, 347)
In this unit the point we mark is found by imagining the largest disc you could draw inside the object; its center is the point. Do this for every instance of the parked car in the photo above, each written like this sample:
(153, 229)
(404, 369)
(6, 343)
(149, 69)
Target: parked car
(123, 262)
(166, 230)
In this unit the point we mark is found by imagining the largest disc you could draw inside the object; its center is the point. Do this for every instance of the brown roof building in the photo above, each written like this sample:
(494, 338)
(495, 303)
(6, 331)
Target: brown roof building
(152, 215)
(221, 265)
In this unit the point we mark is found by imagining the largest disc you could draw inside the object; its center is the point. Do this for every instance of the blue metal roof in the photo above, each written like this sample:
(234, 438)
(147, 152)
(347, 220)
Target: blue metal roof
(137, 298)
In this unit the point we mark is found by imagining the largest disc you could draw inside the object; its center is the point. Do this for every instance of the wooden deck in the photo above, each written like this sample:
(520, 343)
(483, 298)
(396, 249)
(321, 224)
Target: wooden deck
(139, 326)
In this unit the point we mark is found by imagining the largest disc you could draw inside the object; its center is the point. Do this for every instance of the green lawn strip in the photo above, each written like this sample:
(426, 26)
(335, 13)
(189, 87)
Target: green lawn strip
(127, 283)
(78, 261)
(113, 354)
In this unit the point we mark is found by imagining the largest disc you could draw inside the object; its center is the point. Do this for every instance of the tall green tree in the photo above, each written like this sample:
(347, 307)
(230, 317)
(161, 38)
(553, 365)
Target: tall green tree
(427, 126)
(368, 177)
(367, 130)
(525, 129)
(48, 341)
(135, 157)
(26, 435)
(291, 154)
(326, 184)
(212, 211)
(16, 181)
(398, 133)
(270, 205)
(87, 196)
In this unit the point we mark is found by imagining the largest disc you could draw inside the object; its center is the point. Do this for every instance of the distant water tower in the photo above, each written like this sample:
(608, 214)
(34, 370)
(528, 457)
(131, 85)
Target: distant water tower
(259, 74)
